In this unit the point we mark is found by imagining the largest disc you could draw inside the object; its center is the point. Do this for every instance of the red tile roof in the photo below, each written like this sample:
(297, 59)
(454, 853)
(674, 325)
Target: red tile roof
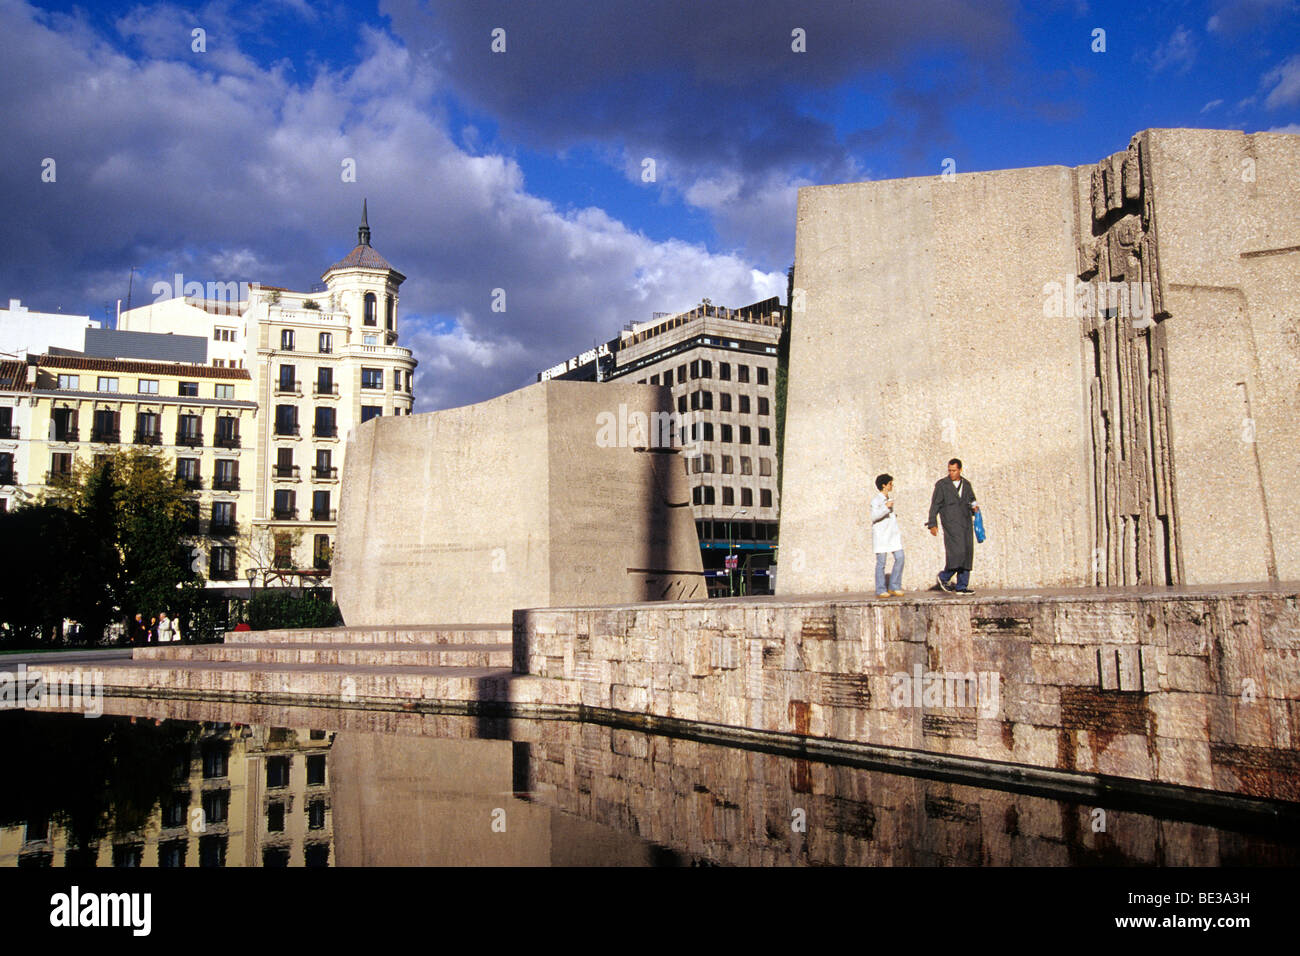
(132, 367)
(13, 376)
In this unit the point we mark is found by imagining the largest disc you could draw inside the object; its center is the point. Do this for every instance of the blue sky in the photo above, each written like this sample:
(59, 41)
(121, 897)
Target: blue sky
(523, 169)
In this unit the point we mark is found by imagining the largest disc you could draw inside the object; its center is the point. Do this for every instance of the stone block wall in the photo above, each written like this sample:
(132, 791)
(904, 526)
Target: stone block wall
(1199, 690)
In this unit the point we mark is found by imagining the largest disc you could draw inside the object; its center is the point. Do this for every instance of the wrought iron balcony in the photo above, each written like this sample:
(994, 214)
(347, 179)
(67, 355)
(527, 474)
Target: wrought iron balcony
(284, 387)
(222, 529)
(191, 482)
(230, 483)
(106, 435)
(221, 574)
(10, 431)
(284, 514)
(325, 431)
(323, 514)
(325, 474)
(227, 441)
(325, 388)
(148, 438)
(67, 434)
(285, 471)
(190, 440)
(282, 428)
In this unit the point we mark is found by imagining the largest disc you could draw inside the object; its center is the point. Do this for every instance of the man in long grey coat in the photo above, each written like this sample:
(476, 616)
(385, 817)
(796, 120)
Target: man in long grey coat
(954, 501)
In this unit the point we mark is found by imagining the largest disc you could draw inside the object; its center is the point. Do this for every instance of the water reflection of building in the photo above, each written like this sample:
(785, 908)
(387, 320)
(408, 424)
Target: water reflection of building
(240, 796)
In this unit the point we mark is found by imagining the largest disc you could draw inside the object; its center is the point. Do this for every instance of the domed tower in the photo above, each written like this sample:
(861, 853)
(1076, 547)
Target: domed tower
(364, 285)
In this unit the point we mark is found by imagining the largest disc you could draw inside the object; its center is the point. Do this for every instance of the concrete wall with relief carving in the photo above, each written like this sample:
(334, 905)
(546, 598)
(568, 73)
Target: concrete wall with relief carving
(1144, 440)
(527, 500)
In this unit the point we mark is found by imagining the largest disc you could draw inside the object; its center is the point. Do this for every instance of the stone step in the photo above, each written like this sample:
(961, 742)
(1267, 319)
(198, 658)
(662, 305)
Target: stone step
(360, 654)
(385, 634)
(330, 684)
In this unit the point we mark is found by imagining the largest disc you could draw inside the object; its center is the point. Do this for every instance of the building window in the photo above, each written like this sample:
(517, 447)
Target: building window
(316, 770)
(325, 426)
(106, 384)
(72, 382)
(706, 368)
(316, 855)
(764, 408)
(728, 495)
(397, 380)
(762, 378)
(7, 429)
(216, 806)
(746, 497)
(222, 563)
(320, 506)
(286, 340)
(128, 855)
(189, 430)
(61, 465)
(325, 380)
(707, 434)
(372, 378)
(765, 498)
(221, 363)
(285, 507)
(370, 309)
(288, 379)
(681, 404)
(187, 389)
(222, 517)
(724, 371)
(227, 431)
(746, 466)
(709, 495)
(226, 475)
(7, 468)
(726, 432)
(212, 850)
(147, 386)
(726, 462)
(187, 471)
(765, 467)
(390, 317)
(371, 411)
(742, 373)
(765, 436)
(744, 405)
(324, 470)
(681, 374)
(283, 557)
(105, 426)
(275, 817)
(370, 339)
(216, 759)
(724, 401)
(326, 343)
(321, 554)
(702, 400)
(316, 815)
(277, 772)
(695, 369)
(172, 853)
(148, 428)
(744, 435)
(654, 379)
(224, 391)
(286, 419)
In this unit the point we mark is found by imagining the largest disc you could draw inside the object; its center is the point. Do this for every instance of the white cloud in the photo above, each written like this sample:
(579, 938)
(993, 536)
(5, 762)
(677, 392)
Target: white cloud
(1178, 52)
(1285, 83)
(1213, 104)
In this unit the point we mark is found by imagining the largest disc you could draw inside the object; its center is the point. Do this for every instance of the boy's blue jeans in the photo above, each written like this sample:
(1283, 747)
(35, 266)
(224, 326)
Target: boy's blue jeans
(895, 574)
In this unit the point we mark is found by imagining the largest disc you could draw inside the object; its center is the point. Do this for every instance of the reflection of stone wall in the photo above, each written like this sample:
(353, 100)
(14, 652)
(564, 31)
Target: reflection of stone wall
(462, 515)
(1152, 446)
(711, 803)
(1200, 691)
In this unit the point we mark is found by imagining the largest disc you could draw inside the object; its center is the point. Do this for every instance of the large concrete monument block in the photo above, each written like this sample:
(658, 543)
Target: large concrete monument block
(1112, 350)
(552, 494)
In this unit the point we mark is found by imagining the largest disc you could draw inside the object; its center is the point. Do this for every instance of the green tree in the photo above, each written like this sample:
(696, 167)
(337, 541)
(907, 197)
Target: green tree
(139, 510)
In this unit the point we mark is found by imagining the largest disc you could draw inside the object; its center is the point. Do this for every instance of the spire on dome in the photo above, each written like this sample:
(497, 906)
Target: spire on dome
(363, 233)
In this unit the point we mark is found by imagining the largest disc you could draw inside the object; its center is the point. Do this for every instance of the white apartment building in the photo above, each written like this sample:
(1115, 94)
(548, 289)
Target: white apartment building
(321, 363)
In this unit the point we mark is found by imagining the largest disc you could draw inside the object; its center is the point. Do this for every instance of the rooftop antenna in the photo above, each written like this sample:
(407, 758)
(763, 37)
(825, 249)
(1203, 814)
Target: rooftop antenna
(129, 285)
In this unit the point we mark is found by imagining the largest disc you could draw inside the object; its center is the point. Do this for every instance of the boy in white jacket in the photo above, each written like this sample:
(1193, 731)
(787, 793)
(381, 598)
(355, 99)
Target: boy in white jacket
(886, 539)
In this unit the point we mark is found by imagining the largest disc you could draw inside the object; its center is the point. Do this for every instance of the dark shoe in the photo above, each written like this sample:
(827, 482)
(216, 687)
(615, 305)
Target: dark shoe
(943, 586)
(964, 591)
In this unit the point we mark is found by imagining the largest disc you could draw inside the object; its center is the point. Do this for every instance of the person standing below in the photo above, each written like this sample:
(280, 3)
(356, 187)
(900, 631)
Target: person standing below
(954, 501)
(164, 628)
(886, 539)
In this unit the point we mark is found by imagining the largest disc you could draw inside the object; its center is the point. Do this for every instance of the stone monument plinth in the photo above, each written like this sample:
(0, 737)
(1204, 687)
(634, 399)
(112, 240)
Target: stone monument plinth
(558, 493)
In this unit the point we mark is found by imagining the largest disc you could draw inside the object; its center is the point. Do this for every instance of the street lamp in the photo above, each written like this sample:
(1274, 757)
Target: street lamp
(250, 573)
(731, 578)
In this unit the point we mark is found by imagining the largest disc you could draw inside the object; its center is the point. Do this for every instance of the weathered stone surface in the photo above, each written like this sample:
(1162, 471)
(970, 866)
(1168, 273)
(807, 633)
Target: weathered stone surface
(522, 501)
(1153, 443)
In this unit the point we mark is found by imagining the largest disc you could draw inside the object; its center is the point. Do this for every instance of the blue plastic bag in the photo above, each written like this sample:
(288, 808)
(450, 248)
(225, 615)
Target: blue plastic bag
(979, 526)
